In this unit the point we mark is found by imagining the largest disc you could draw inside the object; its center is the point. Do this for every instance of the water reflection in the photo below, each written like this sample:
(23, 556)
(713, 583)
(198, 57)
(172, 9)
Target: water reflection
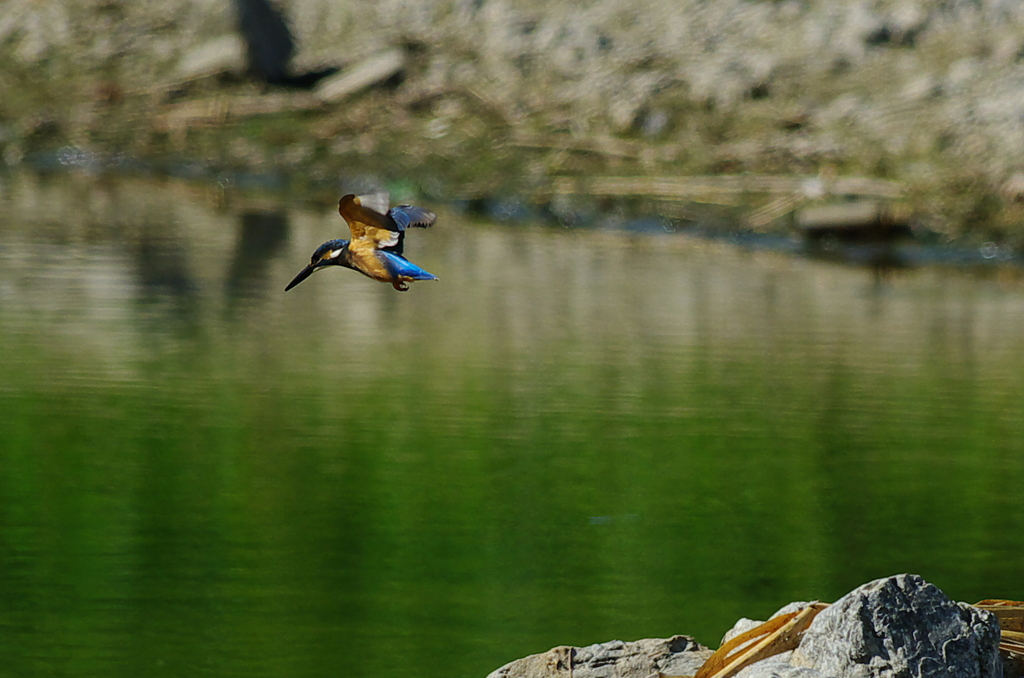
(571, 437)
(161, 268)
(262, 237)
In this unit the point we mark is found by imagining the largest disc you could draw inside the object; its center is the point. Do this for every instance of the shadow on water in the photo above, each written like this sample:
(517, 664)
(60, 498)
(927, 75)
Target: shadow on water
(574, 435)
(262, 237)
(161, 268)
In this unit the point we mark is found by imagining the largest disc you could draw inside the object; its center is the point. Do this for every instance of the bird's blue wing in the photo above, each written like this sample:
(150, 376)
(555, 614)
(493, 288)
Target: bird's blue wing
(400, 266)
(408, 216)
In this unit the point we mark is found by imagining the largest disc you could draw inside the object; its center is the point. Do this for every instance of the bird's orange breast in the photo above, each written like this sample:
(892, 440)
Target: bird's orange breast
(363, 255)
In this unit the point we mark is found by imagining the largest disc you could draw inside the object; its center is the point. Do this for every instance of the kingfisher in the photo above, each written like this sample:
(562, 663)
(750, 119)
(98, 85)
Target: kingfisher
(375, 249)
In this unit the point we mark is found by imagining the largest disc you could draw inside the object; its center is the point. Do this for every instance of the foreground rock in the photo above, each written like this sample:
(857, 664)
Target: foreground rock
(898, 627)
(901, 627)
(675, 656)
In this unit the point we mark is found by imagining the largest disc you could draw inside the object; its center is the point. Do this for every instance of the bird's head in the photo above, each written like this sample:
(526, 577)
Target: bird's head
(331, 253)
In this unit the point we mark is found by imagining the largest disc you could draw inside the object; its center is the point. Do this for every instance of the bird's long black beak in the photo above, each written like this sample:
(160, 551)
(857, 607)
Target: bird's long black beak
(303, 274)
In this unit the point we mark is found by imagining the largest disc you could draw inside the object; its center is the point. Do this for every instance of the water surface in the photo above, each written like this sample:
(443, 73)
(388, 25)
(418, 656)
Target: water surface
(573, 436)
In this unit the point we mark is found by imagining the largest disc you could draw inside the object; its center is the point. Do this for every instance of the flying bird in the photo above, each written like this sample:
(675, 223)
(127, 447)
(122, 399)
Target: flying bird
(375, 249)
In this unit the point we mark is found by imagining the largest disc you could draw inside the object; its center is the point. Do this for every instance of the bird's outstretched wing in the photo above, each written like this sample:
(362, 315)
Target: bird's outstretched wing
(386, 231)
(378, 201)
(407, 216)
(367, 224)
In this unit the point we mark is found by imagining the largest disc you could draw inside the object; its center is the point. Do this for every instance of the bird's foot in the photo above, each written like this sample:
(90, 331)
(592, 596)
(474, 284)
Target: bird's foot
(400, 286)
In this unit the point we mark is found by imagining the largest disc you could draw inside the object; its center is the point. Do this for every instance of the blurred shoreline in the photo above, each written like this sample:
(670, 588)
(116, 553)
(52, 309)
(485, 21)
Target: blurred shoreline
(469, 100)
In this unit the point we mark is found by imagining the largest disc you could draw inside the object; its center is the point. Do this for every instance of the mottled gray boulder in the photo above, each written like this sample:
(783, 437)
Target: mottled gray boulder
(675, 656)
(370, 71)
(901, 627)
(225, 54)
(778, 667)
(744, 624)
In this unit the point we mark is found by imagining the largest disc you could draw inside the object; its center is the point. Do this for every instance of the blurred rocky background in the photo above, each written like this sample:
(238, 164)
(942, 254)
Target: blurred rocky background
(465, 98)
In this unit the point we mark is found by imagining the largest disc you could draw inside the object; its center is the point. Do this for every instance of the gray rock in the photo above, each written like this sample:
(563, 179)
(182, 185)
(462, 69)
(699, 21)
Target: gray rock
(778, 667)
(744, 624)
(922, 87)
(741, 626)
(675, 656)
(774, 667)
(371, 71)
(901, 627)
(225, 54)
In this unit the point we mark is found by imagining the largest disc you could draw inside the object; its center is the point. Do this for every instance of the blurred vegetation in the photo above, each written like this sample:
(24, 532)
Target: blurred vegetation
(495, 97)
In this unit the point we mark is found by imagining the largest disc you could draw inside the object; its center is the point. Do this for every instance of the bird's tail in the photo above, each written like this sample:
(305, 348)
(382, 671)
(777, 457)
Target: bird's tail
(400, 266)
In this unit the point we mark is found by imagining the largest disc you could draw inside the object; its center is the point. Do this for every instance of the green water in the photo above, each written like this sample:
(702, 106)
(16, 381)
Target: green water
(571, 437)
